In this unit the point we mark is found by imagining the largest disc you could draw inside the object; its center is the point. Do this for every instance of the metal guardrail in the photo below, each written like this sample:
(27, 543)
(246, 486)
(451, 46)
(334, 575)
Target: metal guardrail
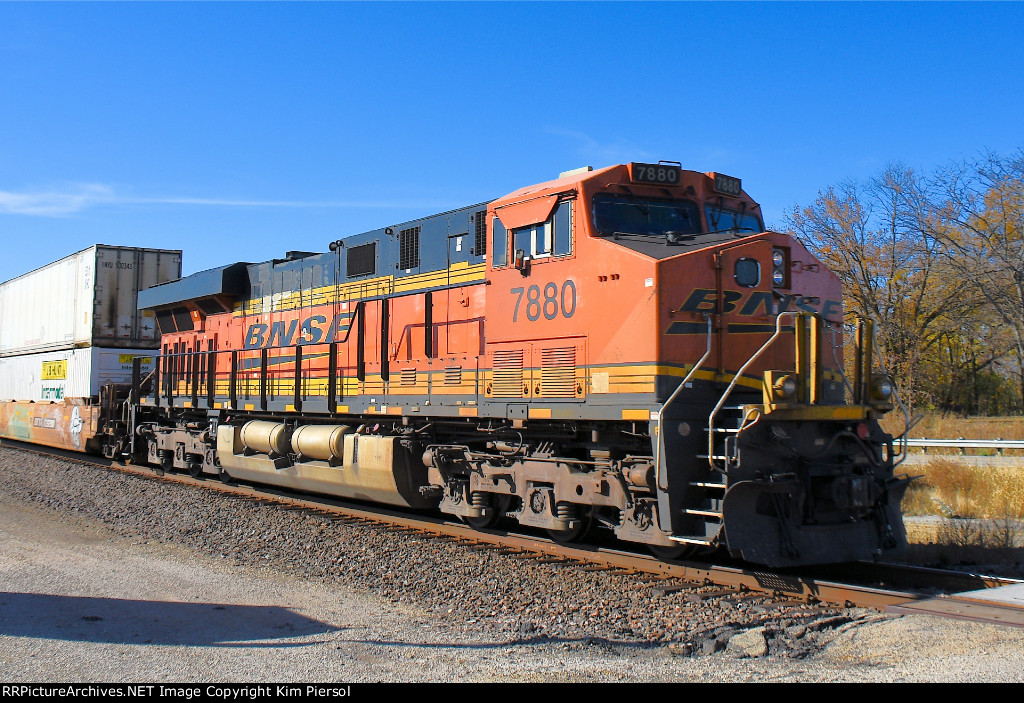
(998, 444)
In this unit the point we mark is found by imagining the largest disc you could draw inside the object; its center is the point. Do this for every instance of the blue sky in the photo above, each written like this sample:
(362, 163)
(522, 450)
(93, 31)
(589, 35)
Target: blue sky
(237, 131)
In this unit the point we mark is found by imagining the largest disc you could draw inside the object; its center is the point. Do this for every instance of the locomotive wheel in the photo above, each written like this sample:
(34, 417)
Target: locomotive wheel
(678, 551)
(573, 534)
(498, 505)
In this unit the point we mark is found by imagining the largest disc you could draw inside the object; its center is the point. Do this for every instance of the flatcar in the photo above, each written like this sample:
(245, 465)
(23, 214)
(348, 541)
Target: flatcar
(624, 349)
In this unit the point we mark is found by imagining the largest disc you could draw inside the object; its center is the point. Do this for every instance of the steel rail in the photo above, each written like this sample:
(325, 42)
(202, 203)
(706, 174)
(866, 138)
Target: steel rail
(752, 580)
(778, 585)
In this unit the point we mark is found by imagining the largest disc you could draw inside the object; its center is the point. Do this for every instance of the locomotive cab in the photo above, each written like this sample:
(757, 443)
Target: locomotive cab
(644, 300)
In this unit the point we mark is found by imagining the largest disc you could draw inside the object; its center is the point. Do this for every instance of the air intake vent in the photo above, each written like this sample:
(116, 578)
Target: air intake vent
(507, 374)
(480, 233)
(409, 248)
(408, 377)
(361, 260)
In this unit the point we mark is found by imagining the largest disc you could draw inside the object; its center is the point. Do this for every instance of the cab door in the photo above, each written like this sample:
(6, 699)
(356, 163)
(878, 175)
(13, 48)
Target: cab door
(745, 316)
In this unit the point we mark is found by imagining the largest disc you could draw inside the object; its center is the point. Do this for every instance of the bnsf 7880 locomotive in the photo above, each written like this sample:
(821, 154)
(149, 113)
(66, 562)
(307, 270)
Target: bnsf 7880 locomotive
(624, 349)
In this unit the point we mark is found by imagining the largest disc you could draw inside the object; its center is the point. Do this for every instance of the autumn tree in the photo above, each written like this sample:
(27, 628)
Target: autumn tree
(981, 226)
(876, 238)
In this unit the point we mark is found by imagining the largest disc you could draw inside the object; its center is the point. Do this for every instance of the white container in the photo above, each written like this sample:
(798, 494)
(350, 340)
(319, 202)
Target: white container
(87, 299)
(68, 373)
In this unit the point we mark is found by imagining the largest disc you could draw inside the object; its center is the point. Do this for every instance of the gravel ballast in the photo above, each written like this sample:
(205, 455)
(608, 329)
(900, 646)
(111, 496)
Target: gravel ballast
(283, 595)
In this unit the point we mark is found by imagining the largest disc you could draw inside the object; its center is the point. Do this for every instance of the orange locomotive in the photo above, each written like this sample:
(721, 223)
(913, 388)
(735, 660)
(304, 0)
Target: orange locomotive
(624, 349)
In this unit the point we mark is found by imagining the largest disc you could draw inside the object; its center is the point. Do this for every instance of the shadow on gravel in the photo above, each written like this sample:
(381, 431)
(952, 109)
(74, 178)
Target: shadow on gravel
(116, 621)
(572, 642)
(998, 560)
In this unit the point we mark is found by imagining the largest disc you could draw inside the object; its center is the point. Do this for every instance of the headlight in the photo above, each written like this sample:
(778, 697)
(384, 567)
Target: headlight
(881, 388)
(785, 387)
(779, 261)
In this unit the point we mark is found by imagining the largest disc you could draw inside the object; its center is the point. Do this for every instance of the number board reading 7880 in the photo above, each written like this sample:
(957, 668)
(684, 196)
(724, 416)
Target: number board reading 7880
(662, 174)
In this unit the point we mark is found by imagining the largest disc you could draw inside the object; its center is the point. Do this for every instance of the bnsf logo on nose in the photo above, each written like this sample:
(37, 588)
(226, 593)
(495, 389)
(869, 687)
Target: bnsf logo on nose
(757, 303)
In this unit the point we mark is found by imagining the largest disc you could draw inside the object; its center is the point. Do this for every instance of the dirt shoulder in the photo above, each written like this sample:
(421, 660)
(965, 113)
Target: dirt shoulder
(80, 603)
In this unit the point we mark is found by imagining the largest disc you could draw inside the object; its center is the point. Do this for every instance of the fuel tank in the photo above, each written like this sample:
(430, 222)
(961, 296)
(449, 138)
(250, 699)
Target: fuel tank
(370, 467)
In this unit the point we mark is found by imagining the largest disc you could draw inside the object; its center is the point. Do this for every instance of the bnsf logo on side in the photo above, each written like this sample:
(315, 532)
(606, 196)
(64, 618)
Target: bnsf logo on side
(290, 332)
(758, 302)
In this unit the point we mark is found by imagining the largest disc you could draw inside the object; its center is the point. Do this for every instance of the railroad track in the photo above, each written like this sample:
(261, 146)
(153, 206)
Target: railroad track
(883, 587)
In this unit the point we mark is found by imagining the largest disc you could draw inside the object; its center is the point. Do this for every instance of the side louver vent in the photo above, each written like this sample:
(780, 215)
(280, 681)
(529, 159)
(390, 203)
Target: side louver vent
(558, 372)
(507, 374)
(453, 376)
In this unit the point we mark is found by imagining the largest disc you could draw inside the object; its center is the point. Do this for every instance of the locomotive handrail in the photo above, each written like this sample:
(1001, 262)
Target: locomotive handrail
(181, 367)
(735, 380)
(661, 413)
(835, 359)
(908, 422)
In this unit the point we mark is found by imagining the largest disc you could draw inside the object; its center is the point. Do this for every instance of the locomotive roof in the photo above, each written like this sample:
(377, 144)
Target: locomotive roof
(556, 185)
(520, 207)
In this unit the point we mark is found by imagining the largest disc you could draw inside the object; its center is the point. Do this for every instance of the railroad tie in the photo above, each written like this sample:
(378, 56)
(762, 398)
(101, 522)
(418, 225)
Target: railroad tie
(674, 588)
(718, 593)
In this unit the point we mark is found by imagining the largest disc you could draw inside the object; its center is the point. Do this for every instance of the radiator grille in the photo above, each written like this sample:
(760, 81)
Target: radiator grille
(507, 374)
(558, 372)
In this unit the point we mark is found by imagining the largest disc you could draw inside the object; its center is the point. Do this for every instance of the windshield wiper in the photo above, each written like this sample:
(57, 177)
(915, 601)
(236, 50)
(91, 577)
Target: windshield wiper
(618, 235)
(674, 237)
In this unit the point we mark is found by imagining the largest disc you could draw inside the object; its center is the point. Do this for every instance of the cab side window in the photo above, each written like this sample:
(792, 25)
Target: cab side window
(562, 218)
(534, 240)
(550, 238)
(543, 240)
(499, 244)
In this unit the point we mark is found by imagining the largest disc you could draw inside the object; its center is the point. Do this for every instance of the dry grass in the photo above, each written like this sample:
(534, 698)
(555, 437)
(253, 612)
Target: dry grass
(954, 489)
(949, 427)
(984, 511)
(984, 505)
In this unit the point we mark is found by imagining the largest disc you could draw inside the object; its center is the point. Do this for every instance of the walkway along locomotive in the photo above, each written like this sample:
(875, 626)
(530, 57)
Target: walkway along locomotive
(623, 348)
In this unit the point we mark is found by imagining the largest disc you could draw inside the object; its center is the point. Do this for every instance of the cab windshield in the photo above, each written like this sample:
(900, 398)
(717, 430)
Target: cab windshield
(722, 219)
(623, 214)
